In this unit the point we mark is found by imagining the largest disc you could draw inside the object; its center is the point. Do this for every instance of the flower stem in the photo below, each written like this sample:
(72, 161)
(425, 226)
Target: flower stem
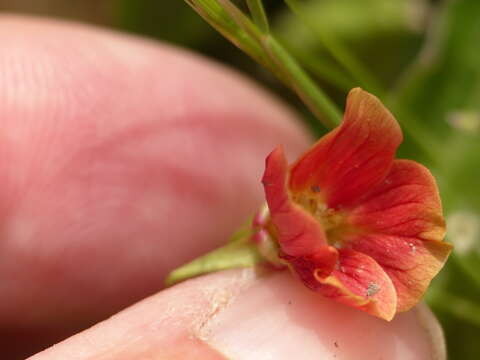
(315, 99)
(367, 80)
(265, 49)
(258, 14)
(324, 70)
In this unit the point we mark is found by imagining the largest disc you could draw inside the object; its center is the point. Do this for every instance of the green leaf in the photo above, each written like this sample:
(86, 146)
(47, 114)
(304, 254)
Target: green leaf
(258, 14)
(239, 252)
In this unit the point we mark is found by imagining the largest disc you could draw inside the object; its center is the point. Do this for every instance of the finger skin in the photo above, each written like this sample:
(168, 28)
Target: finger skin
(121, 159)
(237, 315)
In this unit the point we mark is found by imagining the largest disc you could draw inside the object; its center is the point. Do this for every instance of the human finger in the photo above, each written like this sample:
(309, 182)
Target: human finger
(240, 315)
(121, 159)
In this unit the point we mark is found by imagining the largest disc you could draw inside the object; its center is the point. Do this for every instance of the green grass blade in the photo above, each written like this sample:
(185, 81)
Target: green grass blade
(230, 21)
(316, 100)
(344, 57)
(258, 14)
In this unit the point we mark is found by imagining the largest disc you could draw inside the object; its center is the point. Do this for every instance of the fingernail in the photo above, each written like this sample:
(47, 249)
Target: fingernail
(278, 318)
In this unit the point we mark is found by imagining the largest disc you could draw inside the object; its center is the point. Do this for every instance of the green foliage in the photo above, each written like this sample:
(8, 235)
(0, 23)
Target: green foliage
(239, 252)
(443, 89)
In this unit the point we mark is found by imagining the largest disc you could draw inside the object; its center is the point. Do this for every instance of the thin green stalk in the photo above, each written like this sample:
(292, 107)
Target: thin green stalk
(240, 30)
(360, 73)
(258, 14)
(219, 19)
(288, 70)
(316, 100)
(325, 71)
(340, 53)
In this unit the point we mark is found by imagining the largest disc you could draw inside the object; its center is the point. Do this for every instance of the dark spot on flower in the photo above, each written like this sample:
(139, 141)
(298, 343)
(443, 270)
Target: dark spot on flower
(372, 289)
(336, 344)
(315, 188)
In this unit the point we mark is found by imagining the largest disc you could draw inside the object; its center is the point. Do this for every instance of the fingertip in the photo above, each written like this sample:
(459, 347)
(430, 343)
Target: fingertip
(113, 149)
(168, 325)
(278, 318)
(432, 330)
(241, 314)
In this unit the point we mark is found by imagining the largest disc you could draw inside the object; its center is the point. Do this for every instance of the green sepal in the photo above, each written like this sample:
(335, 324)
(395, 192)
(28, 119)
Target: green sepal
(239, 252)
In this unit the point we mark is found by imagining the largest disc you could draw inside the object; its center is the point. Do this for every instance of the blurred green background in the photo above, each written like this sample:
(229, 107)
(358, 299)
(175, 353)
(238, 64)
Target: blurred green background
(422, 57)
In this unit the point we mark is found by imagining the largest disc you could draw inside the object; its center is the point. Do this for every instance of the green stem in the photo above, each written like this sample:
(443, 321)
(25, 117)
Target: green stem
(288, 70)
(340, 53)
(360, 73)
(315, 99)
(325, 71)
(258, 14)
(214, 14)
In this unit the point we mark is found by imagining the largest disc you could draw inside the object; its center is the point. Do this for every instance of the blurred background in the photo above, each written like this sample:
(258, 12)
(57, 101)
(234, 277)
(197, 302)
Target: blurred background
(422, 57)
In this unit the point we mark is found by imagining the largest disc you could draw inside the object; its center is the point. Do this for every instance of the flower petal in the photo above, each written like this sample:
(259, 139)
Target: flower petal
(297, 232)
(402, 228)
(355, 156)
(357, 281)
(309, 267)
(360, 282)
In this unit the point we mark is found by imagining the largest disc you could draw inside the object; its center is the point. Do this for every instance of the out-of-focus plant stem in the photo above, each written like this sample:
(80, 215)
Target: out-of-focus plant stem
(258, 14)
(325, 71)
(265, 49)
(468, 266)
(367, 80)
(341, 53)
(303, 85)
(254, 38)
(458, 307)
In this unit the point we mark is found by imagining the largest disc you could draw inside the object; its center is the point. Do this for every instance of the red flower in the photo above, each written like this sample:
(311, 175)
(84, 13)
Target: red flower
(354, 224)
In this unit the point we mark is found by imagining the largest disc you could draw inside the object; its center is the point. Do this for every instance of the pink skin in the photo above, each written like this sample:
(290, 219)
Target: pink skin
(237, 315)
(122, 159)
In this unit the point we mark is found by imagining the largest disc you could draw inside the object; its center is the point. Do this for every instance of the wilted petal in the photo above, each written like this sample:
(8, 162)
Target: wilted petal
(297, 232)
(354, 157)
(402, 228)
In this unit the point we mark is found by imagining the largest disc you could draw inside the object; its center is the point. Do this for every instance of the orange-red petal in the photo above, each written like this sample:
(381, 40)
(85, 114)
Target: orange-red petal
(402, 228)
(354, 157)
(360, 282)
(357, 280)
(297, 232)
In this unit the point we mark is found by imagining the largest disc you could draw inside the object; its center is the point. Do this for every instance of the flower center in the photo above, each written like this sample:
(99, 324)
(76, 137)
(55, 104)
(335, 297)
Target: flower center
(332, 220)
